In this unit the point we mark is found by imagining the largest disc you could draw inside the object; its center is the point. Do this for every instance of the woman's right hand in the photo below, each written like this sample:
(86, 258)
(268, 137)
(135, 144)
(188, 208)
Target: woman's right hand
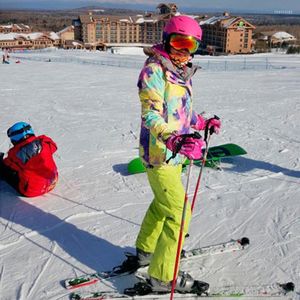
(188, 146)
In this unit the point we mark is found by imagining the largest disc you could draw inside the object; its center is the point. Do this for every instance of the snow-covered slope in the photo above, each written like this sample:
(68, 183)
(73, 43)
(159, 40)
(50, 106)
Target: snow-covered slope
(94, 214)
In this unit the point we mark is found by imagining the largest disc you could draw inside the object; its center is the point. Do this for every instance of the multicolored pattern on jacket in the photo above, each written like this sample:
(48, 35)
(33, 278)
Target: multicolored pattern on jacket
(166, 100)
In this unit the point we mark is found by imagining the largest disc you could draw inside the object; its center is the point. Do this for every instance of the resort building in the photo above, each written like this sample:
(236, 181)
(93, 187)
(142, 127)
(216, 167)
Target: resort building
(221, 34)
(15, 28)
(102, 31)
(34, 40)
(227, 35)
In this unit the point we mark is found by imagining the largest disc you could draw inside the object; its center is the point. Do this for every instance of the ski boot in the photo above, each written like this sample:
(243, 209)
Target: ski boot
(185, 285)
(133, 262)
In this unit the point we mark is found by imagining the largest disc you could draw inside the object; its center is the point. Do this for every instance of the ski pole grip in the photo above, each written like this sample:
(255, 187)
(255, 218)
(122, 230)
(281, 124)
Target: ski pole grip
(211, 129)
(195, 135)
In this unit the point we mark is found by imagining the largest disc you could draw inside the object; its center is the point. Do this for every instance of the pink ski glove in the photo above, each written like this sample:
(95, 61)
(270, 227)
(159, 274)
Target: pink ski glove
(200, 123)
(215, 124)
(212, 122)
(191, 147)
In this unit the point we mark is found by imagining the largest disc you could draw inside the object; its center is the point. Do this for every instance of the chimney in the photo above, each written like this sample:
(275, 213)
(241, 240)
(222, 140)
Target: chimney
(91, 16)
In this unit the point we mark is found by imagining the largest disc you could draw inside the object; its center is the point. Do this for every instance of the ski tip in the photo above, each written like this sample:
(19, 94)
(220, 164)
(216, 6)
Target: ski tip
(288, 287)
(200, 288)
(139, 289)
(244, 241)
(74, 296)
(71, 286)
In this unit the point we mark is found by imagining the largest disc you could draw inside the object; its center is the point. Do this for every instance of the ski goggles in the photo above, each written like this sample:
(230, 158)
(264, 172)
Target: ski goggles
(180, 42)
(11, 133)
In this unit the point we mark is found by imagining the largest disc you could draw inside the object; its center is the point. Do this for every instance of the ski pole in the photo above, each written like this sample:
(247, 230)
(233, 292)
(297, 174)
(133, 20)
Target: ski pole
(208, 133)
(178, 253)
(200, 173)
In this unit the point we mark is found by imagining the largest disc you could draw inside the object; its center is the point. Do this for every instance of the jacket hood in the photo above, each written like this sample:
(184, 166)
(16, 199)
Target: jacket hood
(158, 52)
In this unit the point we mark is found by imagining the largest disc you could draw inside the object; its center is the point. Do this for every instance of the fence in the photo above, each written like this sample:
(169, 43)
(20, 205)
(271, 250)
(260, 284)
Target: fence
(243, 64)
(230, 63)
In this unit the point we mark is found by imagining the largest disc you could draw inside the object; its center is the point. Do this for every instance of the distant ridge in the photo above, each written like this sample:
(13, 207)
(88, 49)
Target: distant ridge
(105, 10)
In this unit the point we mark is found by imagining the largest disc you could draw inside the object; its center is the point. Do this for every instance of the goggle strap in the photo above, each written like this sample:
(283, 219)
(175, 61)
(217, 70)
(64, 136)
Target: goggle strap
(10, 134)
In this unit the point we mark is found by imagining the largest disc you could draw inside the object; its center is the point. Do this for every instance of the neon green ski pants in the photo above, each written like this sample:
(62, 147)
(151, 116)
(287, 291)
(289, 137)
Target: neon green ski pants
(159, 232)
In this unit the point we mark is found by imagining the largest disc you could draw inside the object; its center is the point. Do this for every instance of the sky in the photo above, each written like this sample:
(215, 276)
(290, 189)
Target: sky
(269, 6)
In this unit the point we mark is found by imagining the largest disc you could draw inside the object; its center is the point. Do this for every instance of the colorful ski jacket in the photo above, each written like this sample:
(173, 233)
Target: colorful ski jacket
(166, 100)
(33, 160)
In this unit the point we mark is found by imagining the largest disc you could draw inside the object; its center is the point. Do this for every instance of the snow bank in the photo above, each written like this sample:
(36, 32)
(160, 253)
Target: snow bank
(92, 111)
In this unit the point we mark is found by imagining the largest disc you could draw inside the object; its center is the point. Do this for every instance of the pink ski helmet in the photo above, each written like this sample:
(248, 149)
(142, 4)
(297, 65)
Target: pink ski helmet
(183, 25)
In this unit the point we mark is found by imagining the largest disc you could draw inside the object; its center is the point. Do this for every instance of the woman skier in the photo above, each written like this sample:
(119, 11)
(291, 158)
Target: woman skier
(165, 92)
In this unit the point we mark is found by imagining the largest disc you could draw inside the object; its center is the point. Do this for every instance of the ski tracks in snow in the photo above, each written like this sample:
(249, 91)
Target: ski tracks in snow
(256, 205)
(44, 267)
(1, 276)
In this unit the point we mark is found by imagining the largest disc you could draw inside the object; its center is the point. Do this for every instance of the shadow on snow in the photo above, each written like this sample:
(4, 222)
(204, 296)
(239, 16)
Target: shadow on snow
(240, 164)
(86, 248)
(122, 169)
(243, 164)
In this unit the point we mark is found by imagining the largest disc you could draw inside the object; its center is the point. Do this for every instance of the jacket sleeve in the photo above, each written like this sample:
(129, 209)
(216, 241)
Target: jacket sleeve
(151, 86)
(194, 118)
(198, 122)
(11, 161)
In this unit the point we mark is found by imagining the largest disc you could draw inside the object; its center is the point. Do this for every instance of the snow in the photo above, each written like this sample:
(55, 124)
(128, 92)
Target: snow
(31, 36)
(7, 36)
(282, 35)
(53, 36)
(213, 20)
(128, 50)
(140, 20)
(9, 26)
(92, 111)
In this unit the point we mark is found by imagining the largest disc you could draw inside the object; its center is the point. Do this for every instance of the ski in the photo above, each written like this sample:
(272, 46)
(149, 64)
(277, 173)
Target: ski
(230, 246)
(280, 290)
(98, 296)
(88, 279)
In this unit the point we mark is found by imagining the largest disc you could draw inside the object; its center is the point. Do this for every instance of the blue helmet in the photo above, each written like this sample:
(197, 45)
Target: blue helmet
(19, 131)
